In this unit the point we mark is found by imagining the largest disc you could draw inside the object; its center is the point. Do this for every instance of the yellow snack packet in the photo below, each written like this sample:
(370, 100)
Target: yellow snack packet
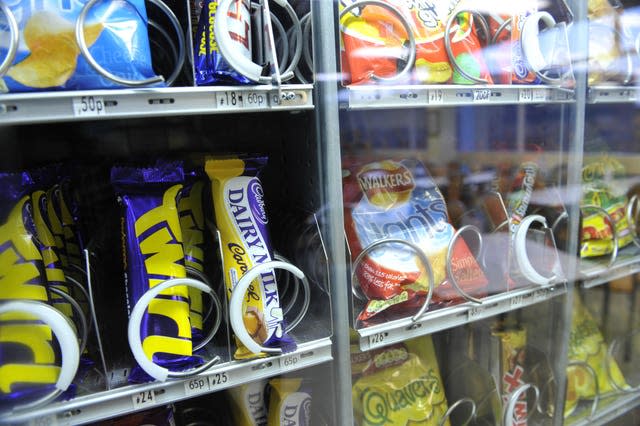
(289, 402)
(401, 386)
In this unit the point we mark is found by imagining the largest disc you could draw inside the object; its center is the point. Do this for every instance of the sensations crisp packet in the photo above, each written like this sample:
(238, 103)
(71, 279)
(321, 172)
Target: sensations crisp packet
(239, 204)
(401, 386)
(48, 56)
(399, 200)
(152, 240)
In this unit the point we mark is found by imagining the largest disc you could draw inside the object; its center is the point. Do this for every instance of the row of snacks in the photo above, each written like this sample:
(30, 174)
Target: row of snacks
(133, 43)
(484, 374)
(413, 250)
(120, 266)
(463, 42)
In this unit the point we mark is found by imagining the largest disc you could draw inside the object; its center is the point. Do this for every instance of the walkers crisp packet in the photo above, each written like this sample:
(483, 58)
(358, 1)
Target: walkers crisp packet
(48, 56)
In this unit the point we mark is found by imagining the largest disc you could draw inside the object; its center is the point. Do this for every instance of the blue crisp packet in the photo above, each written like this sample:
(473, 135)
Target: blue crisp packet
(48, 56)
(210, 67)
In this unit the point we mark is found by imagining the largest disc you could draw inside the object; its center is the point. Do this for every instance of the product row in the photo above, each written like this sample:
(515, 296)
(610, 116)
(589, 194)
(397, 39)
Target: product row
(144, 269)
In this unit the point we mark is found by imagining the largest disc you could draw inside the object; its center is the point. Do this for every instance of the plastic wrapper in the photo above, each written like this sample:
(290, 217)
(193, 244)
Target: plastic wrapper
(210, 65)
(192, 224)
(249, 403)
(289, 402)
(48, 56)
(399, 200)
(152, 240)
(587, 346)
(512, 369)
(241, 218)
(400, 386)
(29, 355)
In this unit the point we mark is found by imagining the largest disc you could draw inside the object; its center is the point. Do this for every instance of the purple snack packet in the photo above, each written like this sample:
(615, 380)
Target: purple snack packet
(152, 239)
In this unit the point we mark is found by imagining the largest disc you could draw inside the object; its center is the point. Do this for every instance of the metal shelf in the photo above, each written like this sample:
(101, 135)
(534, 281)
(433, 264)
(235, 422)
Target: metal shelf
(125, 400)
(612, 408)
(411, 96)
(596, 273)
(431, 322)
(613, 94)
(46, 107)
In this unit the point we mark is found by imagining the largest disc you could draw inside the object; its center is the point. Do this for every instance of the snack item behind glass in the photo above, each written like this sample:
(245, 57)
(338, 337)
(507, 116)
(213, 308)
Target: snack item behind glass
(48, 56)
(152, 238)
(376, 29)
(239, 204)
(249, 403)
(289, 402)
(161, 416)
(401, 386)
(210, 66)
(400, 200)
(587, 346)
(29, 354)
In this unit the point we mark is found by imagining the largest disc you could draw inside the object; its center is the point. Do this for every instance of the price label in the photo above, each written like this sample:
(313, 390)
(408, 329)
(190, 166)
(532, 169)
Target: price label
(196, 386)
(540, 95)
(475, 313)
(516, 301)
(219, 379)
(481, 95)
(633, 95)
(88, 106)
(290, 361)
(436, 97)
(230, 100)
(539, 295)
(255, 100)
(377, 339)
(50, 420)
(143, 399)
(525, 95)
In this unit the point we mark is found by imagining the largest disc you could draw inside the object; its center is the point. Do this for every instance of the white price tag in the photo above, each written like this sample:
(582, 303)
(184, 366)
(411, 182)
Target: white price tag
(525, 95)
(289, 362)
(50, 420)
(196, 386)
(377, 339)
(540, 95)
(516, 301)
(88, 106)
(482, 95)
(436, 97)
(230, 100)
(255, 100)
(475, 312)
(539, 295)
(143, 399)
(219, 379)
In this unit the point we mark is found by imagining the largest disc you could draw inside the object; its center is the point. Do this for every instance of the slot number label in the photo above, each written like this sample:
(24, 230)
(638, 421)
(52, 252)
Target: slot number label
(532, 95)
(516, 301)
(539, 295)
(219, 379)
(481, 96)
(475, 312)
(230, 100)
(88, 106)
(196, 386)
(377, 339)
(436, 97)
(143, 399)
(50, 420)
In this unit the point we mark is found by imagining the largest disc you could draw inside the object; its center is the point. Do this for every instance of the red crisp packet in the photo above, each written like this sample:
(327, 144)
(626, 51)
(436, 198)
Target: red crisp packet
(399, 200)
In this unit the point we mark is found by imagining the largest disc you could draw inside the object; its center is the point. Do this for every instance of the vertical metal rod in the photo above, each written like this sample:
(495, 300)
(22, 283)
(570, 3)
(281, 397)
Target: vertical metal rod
(326, 75)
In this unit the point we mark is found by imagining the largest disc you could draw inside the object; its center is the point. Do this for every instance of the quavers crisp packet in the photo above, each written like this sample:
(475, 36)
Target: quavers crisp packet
(289, 402)
(238, 200)
(48, 56)
(399, 200)
(29, 357)
(249, 403)
(401, 386)
(152, 240)
(587, 346)
(210, 66)
(191, 213)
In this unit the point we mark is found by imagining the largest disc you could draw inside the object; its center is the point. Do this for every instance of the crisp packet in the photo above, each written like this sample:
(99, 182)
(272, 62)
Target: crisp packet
(249, 403)
(152, 240)
(191, 213)
(385, 200)
(587, 346)
(239, 204)
(210, 66)
(48, 57)
(289, 402)
(512, 369)
(401, 386)
(29, 358)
